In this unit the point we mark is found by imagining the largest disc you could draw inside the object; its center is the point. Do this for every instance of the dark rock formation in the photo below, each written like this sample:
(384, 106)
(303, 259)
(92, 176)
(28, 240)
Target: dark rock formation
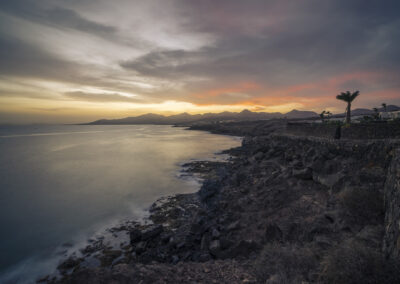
(377, 130)
(392, 206)
(282, 210)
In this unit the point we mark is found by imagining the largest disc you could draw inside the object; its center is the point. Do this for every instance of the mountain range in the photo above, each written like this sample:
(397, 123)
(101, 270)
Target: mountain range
(244, 115)
(183, 118)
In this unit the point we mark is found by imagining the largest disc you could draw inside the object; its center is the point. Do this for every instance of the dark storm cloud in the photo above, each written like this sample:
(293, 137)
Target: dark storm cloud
(46, 13)
(20, 58)
(226, 60)
(282, 42)
(70, 19)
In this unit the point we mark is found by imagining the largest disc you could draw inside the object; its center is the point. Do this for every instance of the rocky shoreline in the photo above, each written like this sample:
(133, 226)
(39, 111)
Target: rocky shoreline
(284, 209)
(171, 235)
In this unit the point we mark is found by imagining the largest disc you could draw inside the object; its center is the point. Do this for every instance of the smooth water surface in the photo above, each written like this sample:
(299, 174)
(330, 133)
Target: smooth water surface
(61, 182)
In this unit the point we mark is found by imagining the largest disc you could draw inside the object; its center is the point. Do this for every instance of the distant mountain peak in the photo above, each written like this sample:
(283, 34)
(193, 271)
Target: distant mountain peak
(246, 111)
(182, 118)
(295, 113)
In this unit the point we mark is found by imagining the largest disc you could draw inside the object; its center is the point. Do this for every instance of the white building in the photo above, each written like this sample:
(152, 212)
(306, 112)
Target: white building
(394, 114)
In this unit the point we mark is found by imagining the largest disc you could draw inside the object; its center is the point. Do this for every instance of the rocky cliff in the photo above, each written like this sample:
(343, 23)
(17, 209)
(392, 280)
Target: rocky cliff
(392, 206)
(285, 209)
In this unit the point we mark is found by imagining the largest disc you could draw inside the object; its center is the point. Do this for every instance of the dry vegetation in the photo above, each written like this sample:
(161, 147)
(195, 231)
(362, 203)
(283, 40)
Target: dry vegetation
(364, 204)
(277, 264)
(354, 263)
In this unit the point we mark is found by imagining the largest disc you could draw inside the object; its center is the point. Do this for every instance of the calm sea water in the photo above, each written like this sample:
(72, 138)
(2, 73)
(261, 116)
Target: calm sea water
(59, 183)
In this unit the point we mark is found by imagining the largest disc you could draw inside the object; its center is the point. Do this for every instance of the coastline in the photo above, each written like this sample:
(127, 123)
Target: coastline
(157, 177)
(111, 245)
(281, 210)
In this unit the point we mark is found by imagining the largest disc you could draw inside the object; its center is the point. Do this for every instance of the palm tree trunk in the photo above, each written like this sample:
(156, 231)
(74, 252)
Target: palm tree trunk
(348, 113)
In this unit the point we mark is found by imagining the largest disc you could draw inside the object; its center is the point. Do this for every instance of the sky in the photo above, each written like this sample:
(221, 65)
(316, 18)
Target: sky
(68, 61)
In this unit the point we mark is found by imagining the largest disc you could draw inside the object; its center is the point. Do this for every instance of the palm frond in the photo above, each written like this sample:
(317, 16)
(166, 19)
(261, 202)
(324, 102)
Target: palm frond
(348, 96)
(354, 95)
(343, 97)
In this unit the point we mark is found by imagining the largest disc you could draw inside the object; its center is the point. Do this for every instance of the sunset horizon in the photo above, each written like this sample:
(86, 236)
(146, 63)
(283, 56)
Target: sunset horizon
(199, 141)
(70, 62)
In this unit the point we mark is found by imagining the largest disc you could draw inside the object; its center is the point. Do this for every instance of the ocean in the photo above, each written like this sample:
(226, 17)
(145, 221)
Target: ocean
(60, 184)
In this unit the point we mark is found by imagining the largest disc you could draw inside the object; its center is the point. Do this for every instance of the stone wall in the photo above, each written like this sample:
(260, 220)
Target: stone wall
(312, 129)
(354, 131)
(371, 131)
(391, 244)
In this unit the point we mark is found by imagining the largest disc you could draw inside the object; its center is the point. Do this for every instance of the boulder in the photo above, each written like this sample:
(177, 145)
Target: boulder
(258, 156)
(226, 243)
(323, 242)
(196, 229)
(244, 248)
(273, 233)
(233, 226)
(151, 232)
(69, 263)
(204, 257)
(140, 247)
(209, 189)
(215, 233)
(305, 174)
(135, 235)
(215, 248)
(110, 257)
(175, 259)
(205, 242)
(297, 164)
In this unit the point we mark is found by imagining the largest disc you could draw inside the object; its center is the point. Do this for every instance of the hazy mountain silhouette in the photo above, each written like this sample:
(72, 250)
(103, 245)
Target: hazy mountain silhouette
(244, 115)
(182, 118)
(300, 114)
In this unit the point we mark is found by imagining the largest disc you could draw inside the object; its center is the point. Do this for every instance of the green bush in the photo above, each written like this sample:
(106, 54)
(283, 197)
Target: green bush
(354, 263)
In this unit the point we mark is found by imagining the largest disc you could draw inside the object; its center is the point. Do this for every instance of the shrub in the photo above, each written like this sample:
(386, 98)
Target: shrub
(284, 264)
(336, 122)
(354, 263)
(365, 204)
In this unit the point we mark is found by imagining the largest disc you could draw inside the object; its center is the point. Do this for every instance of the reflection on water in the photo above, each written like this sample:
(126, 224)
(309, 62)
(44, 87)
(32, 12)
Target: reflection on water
(60, 182)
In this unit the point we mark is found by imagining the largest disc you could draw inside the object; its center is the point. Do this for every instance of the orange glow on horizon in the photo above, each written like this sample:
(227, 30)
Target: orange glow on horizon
(314, 96)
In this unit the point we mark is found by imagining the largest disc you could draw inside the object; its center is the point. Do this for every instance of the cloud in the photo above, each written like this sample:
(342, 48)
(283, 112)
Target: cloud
(55, 17)
(280, 44)
(67, 18)
(204, 52)
(101, 97)
(55, 109)
(20, 58)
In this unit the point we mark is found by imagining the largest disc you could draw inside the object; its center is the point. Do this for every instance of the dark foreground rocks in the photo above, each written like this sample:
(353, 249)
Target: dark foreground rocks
(183, 272)
(286, 209)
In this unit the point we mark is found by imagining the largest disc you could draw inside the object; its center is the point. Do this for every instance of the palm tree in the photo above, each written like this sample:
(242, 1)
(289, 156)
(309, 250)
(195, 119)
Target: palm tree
(322, 115)
(384, 107)
(348, 98)
(385, 115)
(325, 114)
(376, 113)
(328, 114)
